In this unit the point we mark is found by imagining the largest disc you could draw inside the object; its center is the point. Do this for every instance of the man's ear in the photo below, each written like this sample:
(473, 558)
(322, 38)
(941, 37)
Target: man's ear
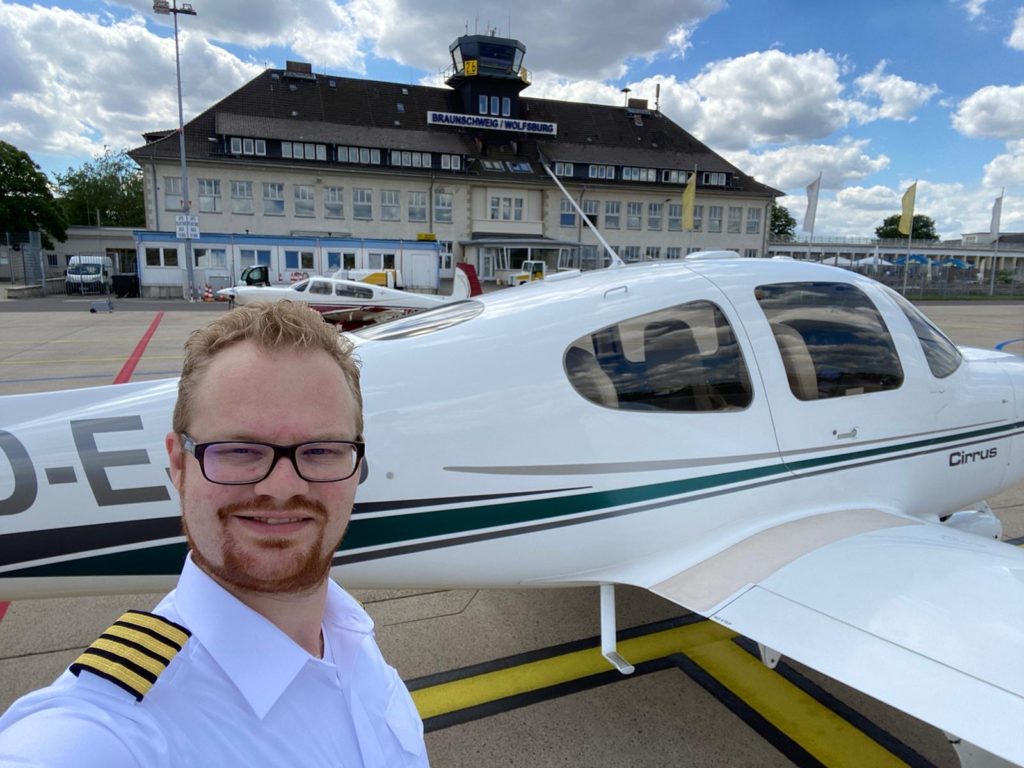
(176, 457)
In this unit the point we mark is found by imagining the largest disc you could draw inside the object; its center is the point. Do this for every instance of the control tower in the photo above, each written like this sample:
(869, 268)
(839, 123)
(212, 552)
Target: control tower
(487, 73)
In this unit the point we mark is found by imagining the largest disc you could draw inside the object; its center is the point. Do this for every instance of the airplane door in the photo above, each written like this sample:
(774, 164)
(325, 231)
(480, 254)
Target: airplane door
(846, 409)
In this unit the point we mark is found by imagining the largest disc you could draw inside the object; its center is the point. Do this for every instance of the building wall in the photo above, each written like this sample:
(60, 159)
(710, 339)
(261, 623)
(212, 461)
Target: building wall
(472, 210)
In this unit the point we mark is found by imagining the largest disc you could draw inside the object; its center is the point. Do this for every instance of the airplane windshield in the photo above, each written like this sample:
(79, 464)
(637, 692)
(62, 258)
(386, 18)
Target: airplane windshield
(300, 286)
(423, 322)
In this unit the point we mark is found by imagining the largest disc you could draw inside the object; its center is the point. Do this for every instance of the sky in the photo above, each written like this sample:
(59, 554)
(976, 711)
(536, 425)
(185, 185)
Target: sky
(873, 95)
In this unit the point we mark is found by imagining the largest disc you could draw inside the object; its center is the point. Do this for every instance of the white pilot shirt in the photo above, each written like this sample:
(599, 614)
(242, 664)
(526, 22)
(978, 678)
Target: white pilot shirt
(240, 693)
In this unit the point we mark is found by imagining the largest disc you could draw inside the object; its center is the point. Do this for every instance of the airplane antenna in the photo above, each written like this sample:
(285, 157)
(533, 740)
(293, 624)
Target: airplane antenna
(616, 261)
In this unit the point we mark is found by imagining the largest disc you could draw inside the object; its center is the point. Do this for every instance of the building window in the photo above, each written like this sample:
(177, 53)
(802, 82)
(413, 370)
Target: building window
(209, 195)
(634, 215)
(750, 253)
(753, 221)
(305, 201)
(362, 204)
(443, 207)
(286, 149)
(612, 209)
(673, 252)
(417, 206)
(563, 169)
(236, 146)
(161, 257)
(172, 193)
(735, 219)
(390, 205)
(482, 106)
(261, 147)
(273, 198)
(674, 177)
(492, 165)
(590, 210)
(495, 105)
(654, 216)
(251, 257)
(601, 171)
(506, 106)
(241, 197)
(298, 260)
(249, 146)
(333, 261)
(334, 202)
(653, 253)
(698, 218)
(714, 218)
(630, 252)
(211, 258)
(675, 217)
(639, 174)
(449, 162)
(713, 179)
(507, 208)
(567, 215)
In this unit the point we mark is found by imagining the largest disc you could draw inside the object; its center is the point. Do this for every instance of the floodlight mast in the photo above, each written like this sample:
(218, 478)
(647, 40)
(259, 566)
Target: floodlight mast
(165, 8)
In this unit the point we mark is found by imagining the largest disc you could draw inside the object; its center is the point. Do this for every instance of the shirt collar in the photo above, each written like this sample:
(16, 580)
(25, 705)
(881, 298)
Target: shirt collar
(242, 642)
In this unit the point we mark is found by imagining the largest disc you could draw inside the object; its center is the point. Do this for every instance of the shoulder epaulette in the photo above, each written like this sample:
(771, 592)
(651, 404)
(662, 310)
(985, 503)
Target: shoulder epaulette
(134, 651)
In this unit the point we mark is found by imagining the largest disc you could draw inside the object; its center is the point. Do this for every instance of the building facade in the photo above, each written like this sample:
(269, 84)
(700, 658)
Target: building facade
(298, 154)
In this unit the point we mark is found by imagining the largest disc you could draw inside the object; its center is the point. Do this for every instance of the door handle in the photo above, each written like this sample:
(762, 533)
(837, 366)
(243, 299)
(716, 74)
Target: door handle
(845, 435)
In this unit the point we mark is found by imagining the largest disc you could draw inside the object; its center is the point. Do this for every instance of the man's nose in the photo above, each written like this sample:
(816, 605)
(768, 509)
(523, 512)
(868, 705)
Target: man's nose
(283, 480)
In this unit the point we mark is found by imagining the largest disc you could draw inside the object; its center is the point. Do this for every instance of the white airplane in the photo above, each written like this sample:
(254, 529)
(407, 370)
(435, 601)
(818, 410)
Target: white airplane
(348, 303)
(789, 449)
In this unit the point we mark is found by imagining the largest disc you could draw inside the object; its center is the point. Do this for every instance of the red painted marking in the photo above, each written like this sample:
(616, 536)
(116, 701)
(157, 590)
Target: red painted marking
(3, 609)
(126, 372)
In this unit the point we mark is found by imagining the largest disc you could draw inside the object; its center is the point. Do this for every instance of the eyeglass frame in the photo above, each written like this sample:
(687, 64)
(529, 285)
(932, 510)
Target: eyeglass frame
(189, 445)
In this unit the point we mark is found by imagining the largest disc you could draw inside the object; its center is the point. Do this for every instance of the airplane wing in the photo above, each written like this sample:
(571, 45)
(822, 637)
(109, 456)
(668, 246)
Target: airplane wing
(927, 619)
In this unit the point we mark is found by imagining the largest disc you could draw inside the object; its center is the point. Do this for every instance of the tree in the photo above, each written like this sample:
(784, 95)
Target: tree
(26, 203)
(106, 191)
(783, 225)
(923, 229)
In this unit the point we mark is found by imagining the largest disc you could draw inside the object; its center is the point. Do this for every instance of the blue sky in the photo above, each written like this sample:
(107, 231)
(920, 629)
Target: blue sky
(873, 95)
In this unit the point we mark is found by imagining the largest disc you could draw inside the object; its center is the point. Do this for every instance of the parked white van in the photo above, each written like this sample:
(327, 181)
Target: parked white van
(89, 274)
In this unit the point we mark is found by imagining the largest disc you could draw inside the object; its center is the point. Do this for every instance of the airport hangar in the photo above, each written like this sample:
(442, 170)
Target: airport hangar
(309, 173)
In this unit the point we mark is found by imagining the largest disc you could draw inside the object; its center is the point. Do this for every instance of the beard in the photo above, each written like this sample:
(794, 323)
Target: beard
(296, 569)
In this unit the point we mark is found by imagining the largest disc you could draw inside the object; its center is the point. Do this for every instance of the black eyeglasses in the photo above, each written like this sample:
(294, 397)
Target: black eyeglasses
(243, 462)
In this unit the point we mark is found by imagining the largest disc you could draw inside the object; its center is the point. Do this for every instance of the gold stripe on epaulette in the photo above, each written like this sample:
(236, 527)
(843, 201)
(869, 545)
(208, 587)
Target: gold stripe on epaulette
(134, 651)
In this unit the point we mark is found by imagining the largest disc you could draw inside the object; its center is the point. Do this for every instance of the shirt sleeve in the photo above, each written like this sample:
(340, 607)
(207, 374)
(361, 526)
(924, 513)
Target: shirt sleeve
(55, 738)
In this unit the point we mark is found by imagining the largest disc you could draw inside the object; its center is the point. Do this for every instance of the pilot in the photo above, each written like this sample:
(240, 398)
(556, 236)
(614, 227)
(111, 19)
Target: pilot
(257, 657)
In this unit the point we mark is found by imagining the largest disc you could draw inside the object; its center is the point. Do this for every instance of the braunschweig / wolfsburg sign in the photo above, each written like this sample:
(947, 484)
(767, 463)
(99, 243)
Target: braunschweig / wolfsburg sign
(491, 123)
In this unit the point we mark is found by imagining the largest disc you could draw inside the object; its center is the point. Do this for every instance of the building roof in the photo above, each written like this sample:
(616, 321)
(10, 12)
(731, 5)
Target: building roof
(301, 106)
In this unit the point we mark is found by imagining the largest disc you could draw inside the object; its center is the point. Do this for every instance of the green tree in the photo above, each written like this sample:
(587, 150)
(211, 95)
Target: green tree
(26, 203)
(783, 225)
(106, 191)
(923, 229)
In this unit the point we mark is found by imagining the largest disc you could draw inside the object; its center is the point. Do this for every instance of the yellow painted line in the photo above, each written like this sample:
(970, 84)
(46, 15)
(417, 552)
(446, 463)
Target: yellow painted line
(817, 729)
(499, 684)
(85, 360)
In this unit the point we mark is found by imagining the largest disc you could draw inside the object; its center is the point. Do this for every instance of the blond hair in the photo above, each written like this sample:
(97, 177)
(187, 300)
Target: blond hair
(273, 326)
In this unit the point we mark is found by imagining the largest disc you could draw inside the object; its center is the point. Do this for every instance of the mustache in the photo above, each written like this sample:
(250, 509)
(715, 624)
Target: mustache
(300, 504)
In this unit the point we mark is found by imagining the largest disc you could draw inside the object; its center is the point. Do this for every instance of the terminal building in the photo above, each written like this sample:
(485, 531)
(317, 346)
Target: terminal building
(309, 173)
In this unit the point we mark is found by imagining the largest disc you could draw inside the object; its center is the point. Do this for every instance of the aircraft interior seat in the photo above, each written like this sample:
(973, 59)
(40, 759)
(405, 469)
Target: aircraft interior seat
(800, 370)
(589, 378)
(675, 371)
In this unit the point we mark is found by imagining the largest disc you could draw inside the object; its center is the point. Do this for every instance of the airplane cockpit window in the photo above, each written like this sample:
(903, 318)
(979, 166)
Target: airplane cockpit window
(683, 359)
(353, 291)
(942, 355)
(422, 323)
(832, 339)
(320, 287)
(301, 286)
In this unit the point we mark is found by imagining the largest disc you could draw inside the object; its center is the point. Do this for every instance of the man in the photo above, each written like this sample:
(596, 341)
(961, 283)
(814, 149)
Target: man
(257, 658)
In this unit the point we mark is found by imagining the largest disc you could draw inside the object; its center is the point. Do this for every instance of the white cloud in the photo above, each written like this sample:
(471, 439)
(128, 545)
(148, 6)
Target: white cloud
(115, 82)
(797, 166)
(577, 39)
(1007, 169)
(974, 8)
(899, 97)
(1016, 38)
(995, 112)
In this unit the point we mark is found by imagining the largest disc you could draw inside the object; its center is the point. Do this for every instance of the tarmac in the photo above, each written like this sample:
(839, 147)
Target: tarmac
(507, 677)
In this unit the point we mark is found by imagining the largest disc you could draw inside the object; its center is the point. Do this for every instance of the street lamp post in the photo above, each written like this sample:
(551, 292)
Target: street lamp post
(170, 7)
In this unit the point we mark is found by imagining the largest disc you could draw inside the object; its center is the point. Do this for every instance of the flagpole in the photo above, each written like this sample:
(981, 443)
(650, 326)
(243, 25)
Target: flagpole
(995, 249)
